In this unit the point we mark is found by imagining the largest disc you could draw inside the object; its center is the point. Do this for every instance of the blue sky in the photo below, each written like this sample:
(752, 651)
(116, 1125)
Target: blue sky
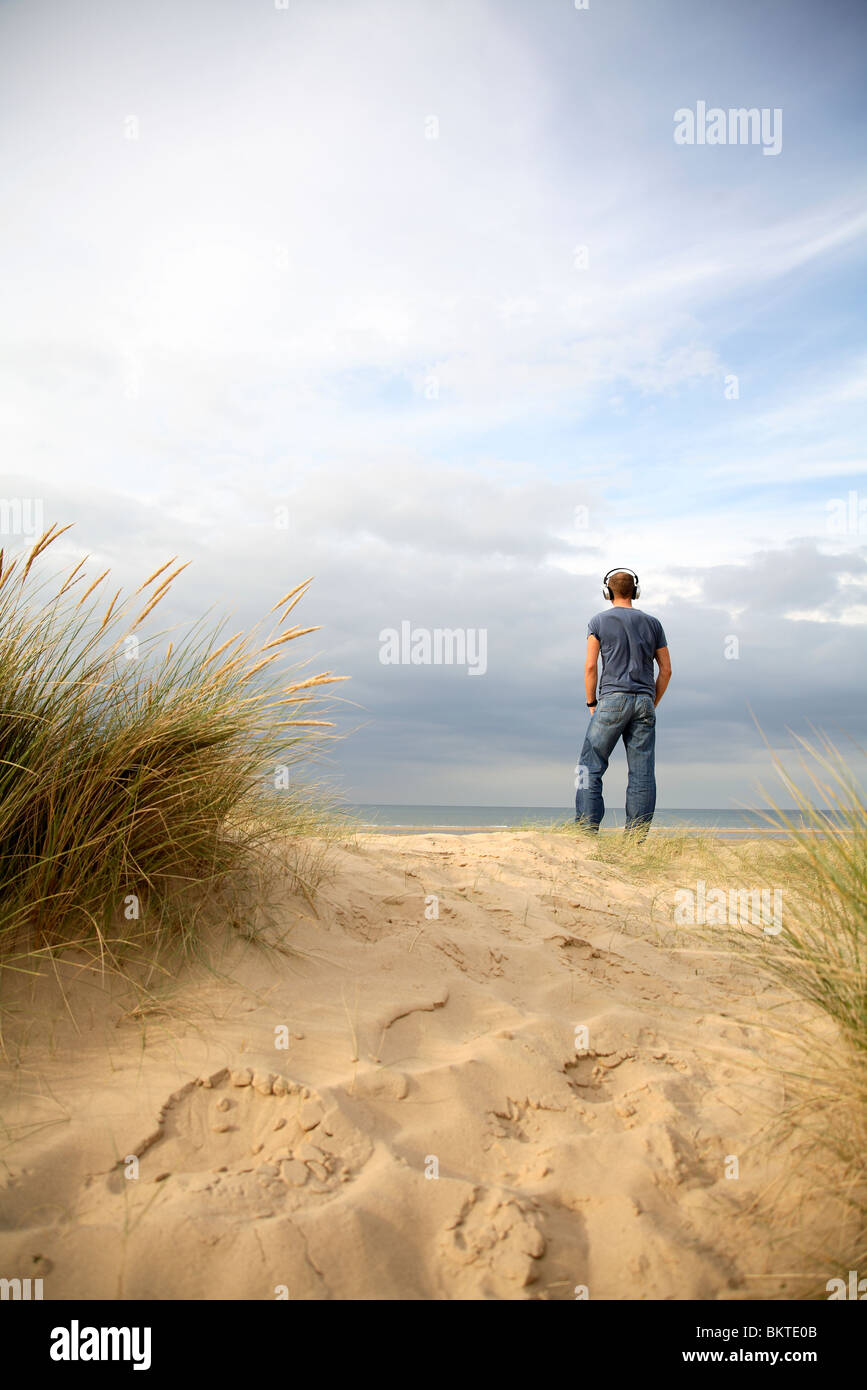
(243, 276)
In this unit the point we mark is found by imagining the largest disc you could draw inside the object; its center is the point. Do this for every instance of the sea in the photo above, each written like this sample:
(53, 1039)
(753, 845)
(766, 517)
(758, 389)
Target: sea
(413, 819)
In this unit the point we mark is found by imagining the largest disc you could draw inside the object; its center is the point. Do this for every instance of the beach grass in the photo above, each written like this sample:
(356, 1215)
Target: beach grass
(819, 957)
(822, 952)
(134, 771)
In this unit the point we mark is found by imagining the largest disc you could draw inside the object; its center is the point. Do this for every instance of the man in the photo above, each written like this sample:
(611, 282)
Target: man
(628, 641)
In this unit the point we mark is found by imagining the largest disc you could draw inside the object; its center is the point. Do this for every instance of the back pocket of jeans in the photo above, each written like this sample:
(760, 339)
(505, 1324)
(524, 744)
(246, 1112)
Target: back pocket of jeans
(611, 707)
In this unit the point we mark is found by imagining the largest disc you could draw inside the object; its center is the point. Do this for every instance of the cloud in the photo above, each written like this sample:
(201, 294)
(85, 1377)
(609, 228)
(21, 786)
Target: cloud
(338, 271)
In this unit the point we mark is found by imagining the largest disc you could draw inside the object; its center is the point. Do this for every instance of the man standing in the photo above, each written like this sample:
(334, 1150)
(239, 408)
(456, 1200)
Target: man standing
(628, 641)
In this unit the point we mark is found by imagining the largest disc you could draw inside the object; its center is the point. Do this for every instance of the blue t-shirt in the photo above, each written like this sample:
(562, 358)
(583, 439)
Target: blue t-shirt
(629, 640)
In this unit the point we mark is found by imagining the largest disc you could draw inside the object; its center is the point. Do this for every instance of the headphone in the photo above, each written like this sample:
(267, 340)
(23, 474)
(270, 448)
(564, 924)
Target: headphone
(620, 569)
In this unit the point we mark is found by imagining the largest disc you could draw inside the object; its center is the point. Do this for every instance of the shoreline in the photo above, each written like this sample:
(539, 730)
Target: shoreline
(722, 833)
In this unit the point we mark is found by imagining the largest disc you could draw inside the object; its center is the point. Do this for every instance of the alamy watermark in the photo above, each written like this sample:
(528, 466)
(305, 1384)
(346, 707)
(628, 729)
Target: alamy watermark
(739, 125)
(442, 646)
(77, 1343)
(718, 907)
(854, 1288)
(22, 516)
(20, 1290)
(847, 515)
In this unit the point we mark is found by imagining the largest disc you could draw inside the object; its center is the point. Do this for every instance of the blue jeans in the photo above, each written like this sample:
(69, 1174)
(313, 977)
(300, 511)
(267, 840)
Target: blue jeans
(633, 718)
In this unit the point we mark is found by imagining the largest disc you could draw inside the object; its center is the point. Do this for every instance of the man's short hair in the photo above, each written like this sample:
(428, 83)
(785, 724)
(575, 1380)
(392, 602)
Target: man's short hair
(622, 585)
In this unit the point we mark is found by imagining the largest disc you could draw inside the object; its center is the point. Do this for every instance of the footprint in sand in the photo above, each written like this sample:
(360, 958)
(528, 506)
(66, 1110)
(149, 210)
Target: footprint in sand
(494, 1245)
(586, 1076)
(219, 1130)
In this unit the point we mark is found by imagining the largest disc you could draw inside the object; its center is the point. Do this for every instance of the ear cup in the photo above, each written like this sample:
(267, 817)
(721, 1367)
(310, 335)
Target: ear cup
(606, 592)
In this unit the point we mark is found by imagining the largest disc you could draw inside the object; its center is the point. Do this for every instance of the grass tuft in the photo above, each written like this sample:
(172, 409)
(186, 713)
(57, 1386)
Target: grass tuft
(131, 774)
(820, 957)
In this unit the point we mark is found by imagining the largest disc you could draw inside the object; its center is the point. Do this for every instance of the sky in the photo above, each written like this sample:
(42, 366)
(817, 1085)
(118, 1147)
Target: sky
(426, 300)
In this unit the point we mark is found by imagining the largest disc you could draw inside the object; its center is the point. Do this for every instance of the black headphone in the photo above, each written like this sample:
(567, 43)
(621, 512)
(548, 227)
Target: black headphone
(620, 569)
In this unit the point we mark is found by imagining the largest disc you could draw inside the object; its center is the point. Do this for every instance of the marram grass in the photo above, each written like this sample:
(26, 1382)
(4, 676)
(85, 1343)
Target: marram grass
(820, 957)
(129, 768)
(821, 954)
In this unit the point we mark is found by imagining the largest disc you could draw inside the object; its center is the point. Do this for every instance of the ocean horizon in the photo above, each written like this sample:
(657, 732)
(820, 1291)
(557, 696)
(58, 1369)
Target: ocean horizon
(412, 817)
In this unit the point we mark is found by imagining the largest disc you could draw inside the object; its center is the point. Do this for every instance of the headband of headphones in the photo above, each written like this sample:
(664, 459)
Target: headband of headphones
(620, 569)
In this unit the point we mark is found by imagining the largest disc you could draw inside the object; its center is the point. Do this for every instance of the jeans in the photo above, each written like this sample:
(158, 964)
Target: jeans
(634, 718)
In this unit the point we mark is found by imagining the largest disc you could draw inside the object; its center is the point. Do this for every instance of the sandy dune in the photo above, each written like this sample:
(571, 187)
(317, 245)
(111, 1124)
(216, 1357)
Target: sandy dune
(431, 1130)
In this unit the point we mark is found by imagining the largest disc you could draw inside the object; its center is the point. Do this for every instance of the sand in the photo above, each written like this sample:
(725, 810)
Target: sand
(505, 1077)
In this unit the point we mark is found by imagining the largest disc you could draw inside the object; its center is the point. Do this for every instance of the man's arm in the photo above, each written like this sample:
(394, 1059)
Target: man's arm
(663, 660)
(591, 665)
